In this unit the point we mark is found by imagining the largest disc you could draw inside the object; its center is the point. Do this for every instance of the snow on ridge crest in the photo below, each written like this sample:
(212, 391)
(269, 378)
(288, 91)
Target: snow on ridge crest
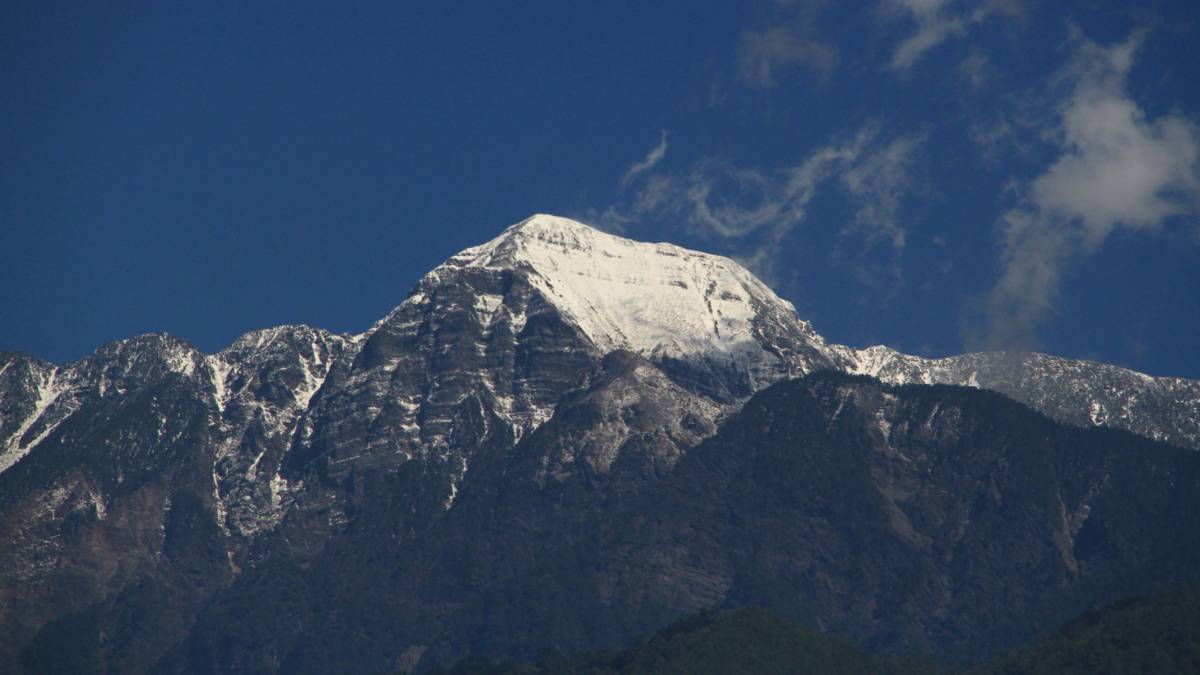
(656, 299)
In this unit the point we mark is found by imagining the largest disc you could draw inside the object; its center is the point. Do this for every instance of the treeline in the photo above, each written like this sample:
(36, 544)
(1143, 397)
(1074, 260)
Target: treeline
(1160, 634)
(749, 641)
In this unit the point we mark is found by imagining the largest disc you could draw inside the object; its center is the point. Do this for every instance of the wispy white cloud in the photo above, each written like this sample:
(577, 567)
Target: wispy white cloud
(1116, 169)
(790, 39)
(762, 53)
(974, 69)
(932, 30)
(937, 21)
(753, 211)
(651, 159)
(877, 184)
(992, 133)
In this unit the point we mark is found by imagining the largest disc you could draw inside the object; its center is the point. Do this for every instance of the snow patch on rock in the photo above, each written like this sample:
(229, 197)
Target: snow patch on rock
(49, 388)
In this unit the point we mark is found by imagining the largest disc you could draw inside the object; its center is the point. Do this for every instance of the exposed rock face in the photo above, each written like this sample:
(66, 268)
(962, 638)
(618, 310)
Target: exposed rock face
(525, 392)
(261, 387)
(628, 420)
(154, 467)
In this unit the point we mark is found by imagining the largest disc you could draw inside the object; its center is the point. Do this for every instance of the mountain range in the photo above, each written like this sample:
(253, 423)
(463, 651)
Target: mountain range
(566, 439)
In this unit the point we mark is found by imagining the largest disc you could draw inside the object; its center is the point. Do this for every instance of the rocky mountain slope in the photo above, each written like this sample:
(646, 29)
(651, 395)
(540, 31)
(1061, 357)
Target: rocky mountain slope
(912, 520)
(151, 480)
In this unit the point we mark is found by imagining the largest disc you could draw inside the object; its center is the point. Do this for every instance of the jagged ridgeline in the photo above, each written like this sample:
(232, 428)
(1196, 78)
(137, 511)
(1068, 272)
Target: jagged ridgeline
(564, 439)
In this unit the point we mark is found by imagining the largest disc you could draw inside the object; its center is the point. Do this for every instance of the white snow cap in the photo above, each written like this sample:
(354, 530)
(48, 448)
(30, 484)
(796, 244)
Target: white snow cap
(655, 299)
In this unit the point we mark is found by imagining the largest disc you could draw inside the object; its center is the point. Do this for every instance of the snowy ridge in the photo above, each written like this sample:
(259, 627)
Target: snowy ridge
(886, 364)
(1083, 393)
(242, 382)
(307, 352)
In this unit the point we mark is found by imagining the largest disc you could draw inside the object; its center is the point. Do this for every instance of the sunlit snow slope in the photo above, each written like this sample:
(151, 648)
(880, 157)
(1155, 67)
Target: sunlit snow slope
(648, 298)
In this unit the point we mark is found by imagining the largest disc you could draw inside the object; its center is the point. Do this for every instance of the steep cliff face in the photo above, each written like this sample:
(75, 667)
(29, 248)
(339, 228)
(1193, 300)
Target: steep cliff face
(261, 387)
(526, 391)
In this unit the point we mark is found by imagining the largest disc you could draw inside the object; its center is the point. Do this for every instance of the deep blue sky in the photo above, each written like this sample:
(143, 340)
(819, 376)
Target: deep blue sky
(935, 175)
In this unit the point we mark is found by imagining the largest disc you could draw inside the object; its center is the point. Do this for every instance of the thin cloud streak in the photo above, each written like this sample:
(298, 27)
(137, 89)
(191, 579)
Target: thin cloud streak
(651, 159)
(762, 53)
(790, 40)
(754, 211)
(938, 21)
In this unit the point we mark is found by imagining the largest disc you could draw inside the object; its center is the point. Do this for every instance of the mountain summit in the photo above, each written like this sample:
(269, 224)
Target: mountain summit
(654, 299)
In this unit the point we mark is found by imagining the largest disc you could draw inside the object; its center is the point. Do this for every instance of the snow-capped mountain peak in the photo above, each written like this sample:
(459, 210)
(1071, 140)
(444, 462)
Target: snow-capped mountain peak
(651, 298)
